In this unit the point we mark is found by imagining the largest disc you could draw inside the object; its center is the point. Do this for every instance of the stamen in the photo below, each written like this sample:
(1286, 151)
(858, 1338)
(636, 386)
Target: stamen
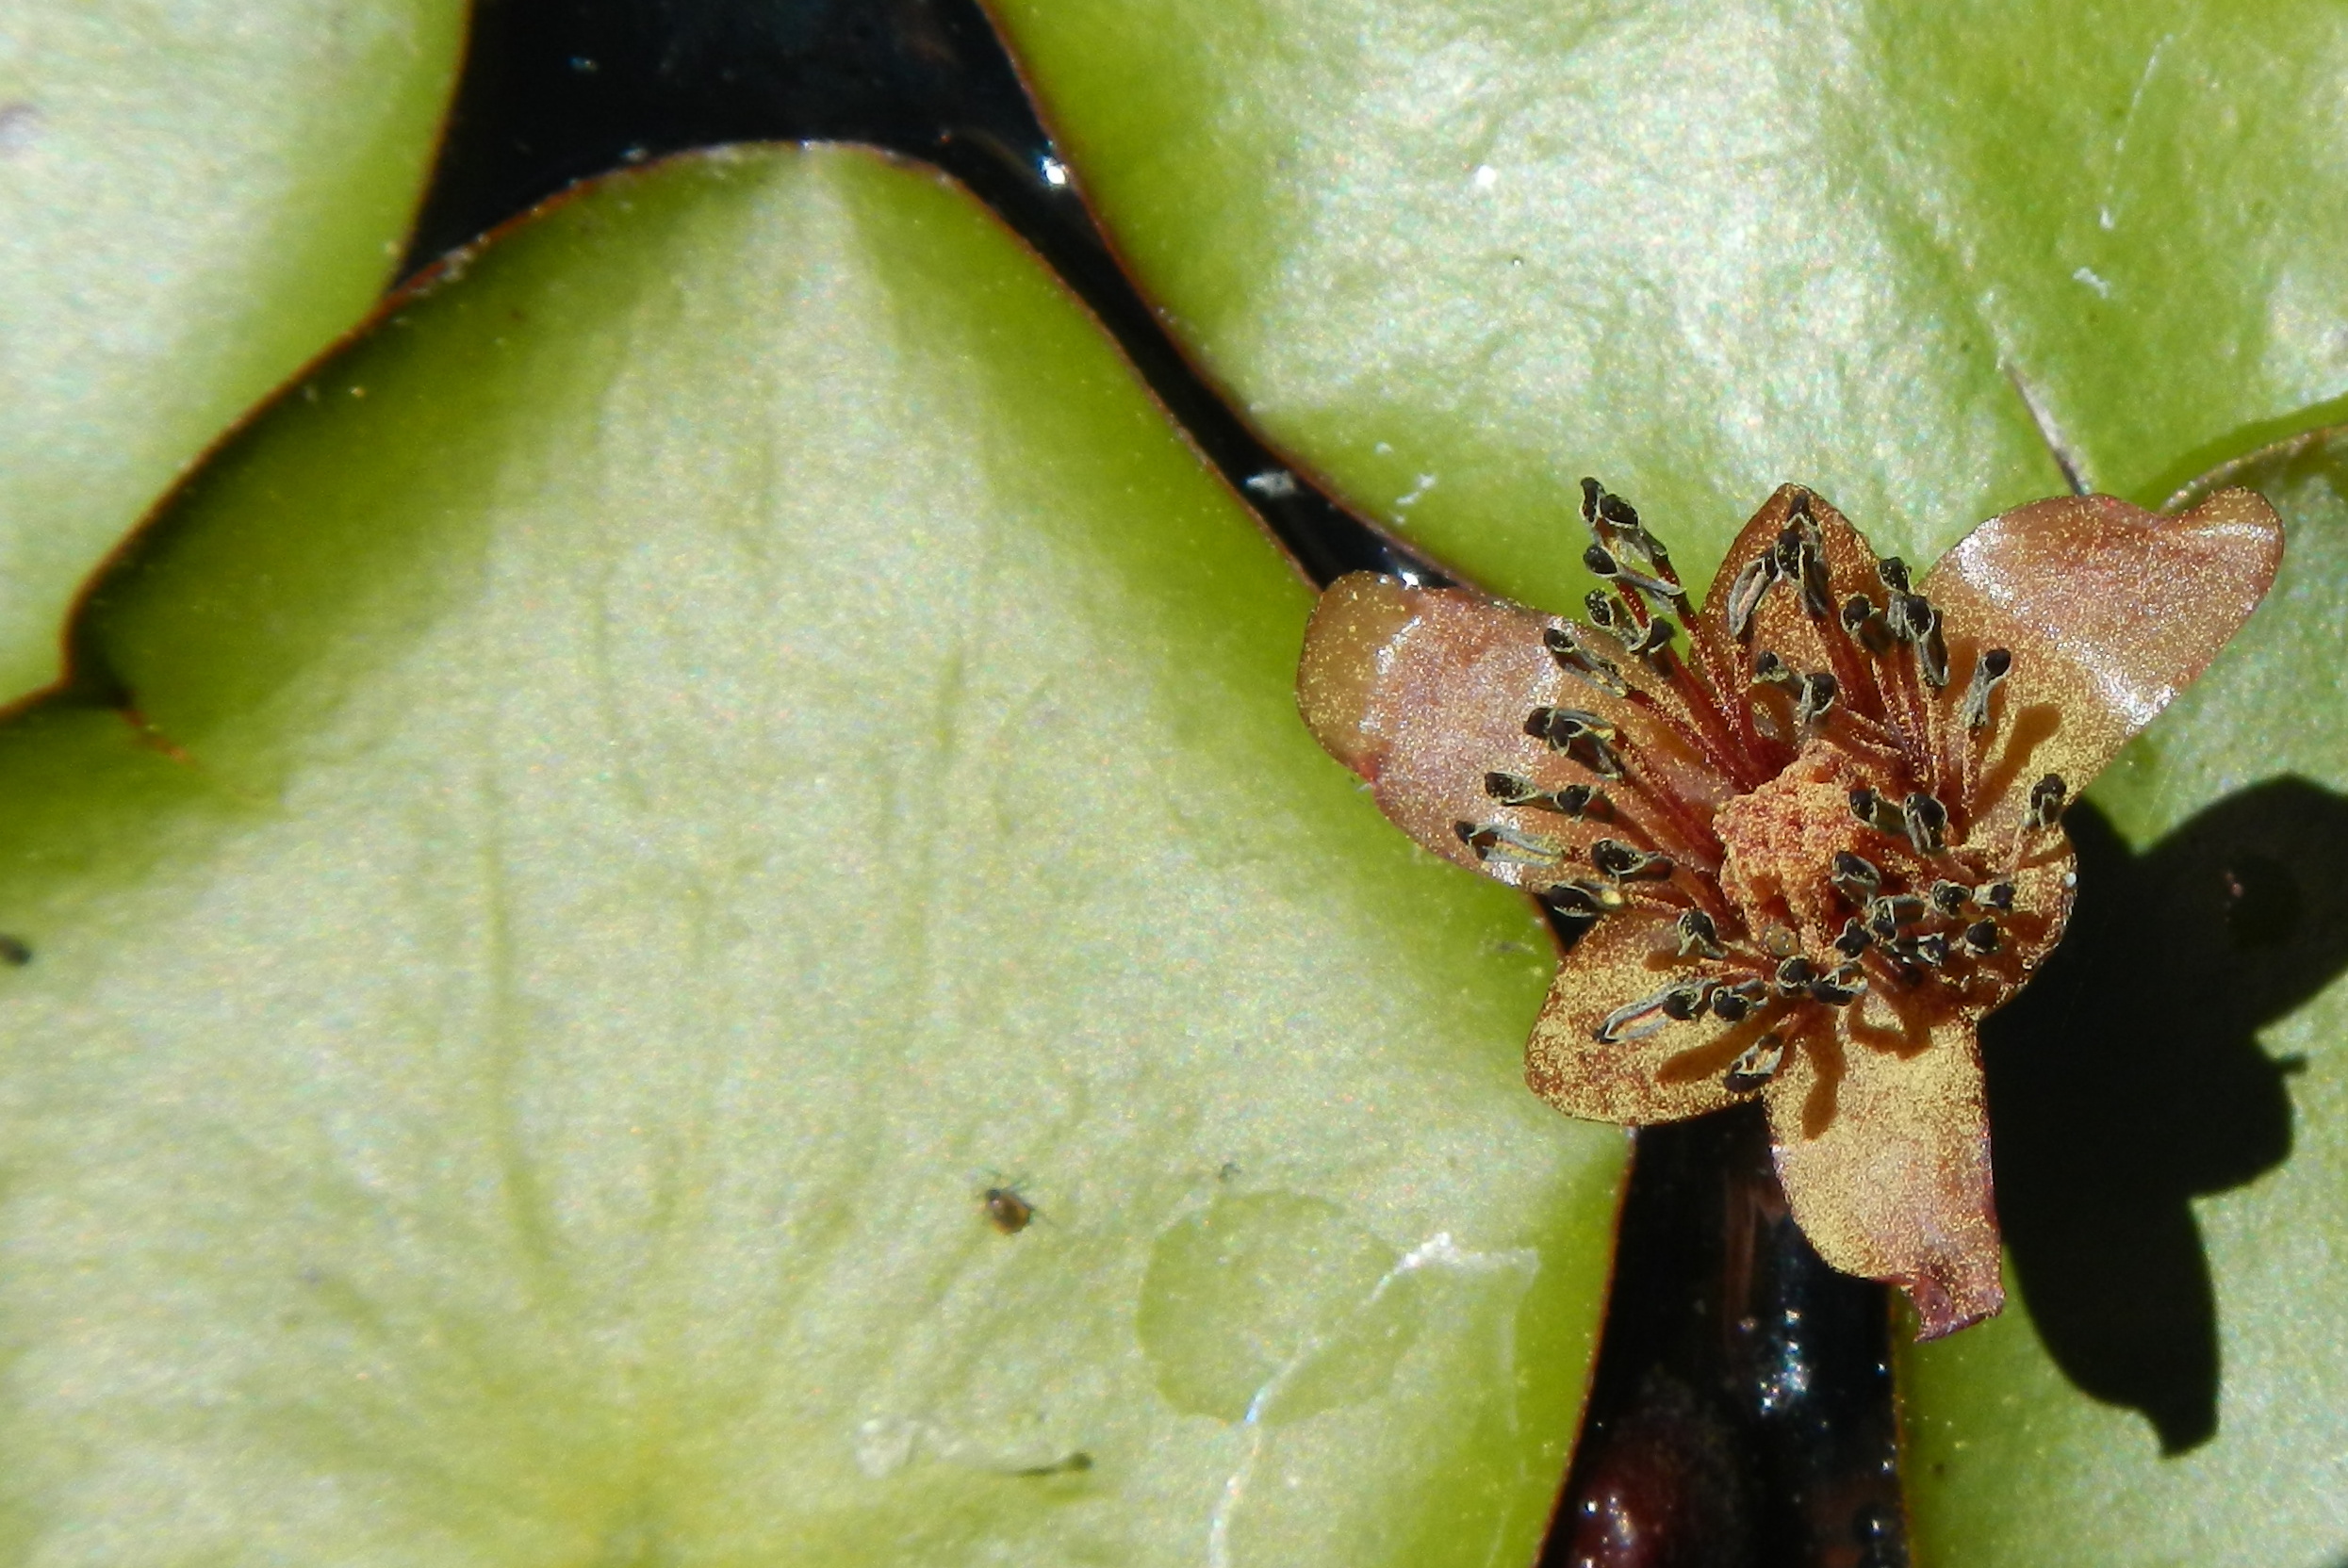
(1888, 915)
(1862, 621)
(1654, 644)
(1734, 1003)
(1637, 1020)
(1585, 899)
(1574, 800)
(1876, 812)
(1699, 936)
(1606, 611)
(1584, 737)
(1854, 939)
(1931, 949)
(1497, 841)
(1814, 696)
(1622, 863)
(1917, 621)
(1949, 897)
(1794, 976)
(1799, 562)
(1988, 670)
(1980, 938)
(1840, 988)
(1755, 1066)
(1894, 572)
(1685, 1002)
(1572, 657)
(1925, 818)
(1854, 876)
(1769, 670)
(2047, 797)
(1745, 595)
(1999, 896)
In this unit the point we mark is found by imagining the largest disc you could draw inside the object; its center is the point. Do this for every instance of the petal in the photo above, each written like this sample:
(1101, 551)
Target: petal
(1425, 691)
(1882, 1144)
(2109, 611)
(1671, 1073)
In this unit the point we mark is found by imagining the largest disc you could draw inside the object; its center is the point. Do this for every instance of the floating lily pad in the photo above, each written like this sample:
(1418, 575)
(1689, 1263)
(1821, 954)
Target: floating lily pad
(667, 771)
(194, 199)
(1456, 255)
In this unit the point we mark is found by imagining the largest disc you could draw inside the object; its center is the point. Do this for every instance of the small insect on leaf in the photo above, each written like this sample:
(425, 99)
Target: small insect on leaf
(1007, 1211)
(1832, 816)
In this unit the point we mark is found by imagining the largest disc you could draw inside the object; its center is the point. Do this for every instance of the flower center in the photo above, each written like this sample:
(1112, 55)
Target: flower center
(1803, 796)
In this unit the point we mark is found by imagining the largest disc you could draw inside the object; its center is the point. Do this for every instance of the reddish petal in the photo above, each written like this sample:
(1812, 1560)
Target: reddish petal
(1425, 691)
(1671, 1073)
(2109, 611)
(1882, 1144)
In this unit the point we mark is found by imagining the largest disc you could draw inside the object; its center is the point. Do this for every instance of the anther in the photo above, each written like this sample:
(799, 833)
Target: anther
(1877, 813)
(1745, 595)
(1949, 897)
(2046, 801)
(1698, 936)
(1931, 649)
(1980, 938)
(1799, 561)
(1734, 1003)
(1510, 789)
(1685, 1002)
(1855, 876)
(1794, 976)
(1494, 840)
(1586, 900)
(1584, 737)
(1564, 647)
(1888, 916)
(1559, 725)
(1602, 562)
(1854, 939)
(1622, 863)
(1618, 513)
(1606, 610)
(1653, 643)
(1840, 988)
(1999, 896)
(1916, 621)
(1925, 818)
(1861, 620)
(1755, 1065)
(1814, 696)
(1988, 670)
(1637, 1020)
(1931, 948)
(1769, 670)
(1894, 573)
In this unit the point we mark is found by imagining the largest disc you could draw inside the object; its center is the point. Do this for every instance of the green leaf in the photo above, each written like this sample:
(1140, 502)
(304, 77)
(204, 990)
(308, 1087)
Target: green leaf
(2193, 983)
(195, 198)
(1456, 255)
(752, 730)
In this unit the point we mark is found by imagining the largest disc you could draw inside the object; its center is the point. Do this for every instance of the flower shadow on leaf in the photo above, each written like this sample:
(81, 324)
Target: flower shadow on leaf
(2127, 1080)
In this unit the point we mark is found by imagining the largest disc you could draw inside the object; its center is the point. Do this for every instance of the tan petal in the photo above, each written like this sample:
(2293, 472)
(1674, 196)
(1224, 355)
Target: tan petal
(1425, 691)
(2109, 611)
(1668, 1074)
(1882, 1144)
